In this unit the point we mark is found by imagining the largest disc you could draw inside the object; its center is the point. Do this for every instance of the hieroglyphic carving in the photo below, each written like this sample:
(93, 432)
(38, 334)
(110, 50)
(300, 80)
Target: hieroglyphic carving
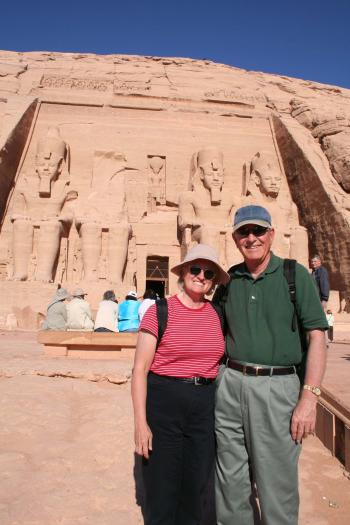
(232, 96)
(156, 181)
(263, 187)
(41, 206)
(62, 82)
(205, 211)
(332, 129)
(130, 86)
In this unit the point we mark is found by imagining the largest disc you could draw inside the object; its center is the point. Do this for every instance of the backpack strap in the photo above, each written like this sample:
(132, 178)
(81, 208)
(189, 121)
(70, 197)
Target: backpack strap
(289, 274)
(220, 314)
(162, 317)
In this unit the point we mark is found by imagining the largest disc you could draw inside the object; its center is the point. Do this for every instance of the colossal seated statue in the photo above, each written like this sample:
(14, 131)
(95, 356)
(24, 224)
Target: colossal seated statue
(105, 210)
(332, 129)
(42, 203)
(264, 185)
(205, 211)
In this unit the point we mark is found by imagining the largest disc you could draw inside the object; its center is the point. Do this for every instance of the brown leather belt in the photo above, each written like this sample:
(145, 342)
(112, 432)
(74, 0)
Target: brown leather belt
(248, 370)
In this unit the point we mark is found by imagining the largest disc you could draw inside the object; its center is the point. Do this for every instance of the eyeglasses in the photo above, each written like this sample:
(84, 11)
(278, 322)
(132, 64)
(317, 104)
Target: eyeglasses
(256, 230)
(208, 274)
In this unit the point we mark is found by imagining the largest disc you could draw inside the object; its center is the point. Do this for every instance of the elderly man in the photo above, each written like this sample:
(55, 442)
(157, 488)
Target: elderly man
(262, 413)
(320, 275)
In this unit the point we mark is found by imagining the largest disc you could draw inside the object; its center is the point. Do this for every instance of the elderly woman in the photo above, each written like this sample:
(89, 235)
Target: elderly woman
(173, 392)
(107, 313)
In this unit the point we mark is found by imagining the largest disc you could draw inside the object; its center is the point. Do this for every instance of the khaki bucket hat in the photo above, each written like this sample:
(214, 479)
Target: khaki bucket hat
(78, 292)
(208, 253)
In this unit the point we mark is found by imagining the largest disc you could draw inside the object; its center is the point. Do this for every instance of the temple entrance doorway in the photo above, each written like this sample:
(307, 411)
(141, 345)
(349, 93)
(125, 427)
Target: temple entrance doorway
(157, 275)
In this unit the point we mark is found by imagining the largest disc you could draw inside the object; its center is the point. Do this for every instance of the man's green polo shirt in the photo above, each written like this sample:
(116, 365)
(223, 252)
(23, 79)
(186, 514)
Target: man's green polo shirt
(259, 314)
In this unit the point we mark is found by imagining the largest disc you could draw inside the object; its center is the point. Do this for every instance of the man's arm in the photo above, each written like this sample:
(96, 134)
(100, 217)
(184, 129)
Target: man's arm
(324, 284)
(304, 415)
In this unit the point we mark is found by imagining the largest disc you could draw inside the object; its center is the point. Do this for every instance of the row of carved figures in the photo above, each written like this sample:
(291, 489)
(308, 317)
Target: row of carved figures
(46, 204)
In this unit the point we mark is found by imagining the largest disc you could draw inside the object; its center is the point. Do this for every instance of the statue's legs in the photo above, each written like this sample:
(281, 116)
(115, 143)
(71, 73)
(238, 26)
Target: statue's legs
(48, 248)
(91, 239)
(117, 250)
(22, 247)
(208, 235)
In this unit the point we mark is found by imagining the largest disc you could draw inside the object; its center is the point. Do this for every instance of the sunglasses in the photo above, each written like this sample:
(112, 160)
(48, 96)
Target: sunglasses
(256, 230)
(208, 274)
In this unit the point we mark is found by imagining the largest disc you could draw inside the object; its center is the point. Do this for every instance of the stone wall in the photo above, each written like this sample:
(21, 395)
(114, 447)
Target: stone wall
(109, 164)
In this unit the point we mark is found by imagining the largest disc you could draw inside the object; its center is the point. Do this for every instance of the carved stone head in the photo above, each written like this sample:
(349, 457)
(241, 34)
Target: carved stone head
(156, 164)
(51, 151)
(211, 171)
(266, 175)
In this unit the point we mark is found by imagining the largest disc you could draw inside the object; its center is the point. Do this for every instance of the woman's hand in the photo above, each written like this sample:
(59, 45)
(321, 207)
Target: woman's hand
(143, 440)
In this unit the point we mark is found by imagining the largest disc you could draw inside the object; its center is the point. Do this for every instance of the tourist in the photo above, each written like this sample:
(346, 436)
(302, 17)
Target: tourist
(320, 275)
(128, 315)
(56, 316)
(173, 390)
(79, 312)
(262, 414)
(149, 298)
(330, 321)
(107, 313)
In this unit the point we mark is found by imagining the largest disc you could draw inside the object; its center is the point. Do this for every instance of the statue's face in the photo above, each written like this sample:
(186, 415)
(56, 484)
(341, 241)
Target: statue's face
(48, 164)
(212, 173)
(270, 181)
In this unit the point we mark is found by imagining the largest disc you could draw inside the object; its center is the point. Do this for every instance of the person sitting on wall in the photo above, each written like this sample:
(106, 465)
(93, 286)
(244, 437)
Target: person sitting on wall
(79, 312)
(128, 316)
(149, 298)
(107, 313)
(56, 316)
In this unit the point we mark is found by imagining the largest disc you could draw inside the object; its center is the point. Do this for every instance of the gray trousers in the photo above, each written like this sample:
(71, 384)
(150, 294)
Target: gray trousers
(254, 445)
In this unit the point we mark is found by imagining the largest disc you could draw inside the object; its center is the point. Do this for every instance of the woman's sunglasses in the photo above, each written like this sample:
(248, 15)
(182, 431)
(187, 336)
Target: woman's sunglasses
(208, 274)
(256, 230)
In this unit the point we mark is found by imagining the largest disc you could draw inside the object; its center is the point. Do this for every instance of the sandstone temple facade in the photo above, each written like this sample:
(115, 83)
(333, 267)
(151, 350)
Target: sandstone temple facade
(111, 167)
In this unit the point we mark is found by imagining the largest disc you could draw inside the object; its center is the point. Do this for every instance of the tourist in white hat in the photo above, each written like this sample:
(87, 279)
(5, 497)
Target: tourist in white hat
(173, 389)
(79, 312)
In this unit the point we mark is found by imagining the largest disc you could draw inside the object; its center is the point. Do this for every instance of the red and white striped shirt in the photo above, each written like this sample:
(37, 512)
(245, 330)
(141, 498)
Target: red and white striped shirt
(192, 344)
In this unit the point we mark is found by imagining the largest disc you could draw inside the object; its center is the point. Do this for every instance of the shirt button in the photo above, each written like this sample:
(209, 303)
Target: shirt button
(253, 296)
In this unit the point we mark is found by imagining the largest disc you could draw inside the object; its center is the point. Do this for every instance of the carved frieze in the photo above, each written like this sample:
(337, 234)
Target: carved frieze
(65, 82)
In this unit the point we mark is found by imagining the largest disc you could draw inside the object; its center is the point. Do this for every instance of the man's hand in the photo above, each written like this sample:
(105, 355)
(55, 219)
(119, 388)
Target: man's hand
(304, 417)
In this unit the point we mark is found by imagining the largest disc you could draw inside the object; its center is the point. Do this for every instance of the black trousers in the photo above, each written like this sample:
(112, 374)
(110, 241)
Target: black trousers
(181, 417)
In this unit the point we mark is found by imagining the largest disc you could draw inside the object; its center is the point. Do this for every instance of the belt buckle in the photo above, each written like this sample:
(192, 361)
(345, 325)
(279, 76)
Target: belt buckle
(244, 371)
(196, 381)
(257, 368)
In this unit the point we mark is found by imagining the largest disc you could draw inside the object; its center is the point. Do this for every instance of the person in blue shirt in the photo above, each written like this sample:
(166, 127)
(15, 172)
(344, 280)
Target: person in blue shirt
(128, 315)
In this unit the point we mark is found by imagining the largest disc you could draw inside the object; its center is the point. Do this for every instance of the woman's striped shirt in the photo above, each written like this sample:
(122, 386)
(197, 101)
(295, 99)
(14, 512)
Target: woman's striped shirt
(192, 344)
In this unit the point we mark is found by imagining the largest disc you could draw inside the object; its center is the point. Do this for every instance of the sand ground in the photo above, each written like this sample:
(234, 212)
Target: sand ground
(66, 446)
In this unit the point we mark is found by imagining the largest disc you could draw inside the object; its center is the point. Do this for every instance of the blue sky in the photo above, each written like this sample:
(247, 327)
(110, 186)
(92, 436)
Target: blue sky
(306, 39)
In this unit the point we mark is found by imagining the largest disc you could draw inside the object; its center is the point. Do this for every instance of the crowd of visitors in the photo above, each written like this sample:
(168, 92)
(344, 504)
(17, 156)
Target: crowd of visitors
(73, 312)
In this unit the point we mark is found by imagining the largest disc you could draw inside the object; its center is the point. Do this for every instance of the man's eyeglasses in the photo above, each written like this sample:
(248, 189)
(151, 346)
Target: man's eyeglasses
(208, 274)
(256, 230)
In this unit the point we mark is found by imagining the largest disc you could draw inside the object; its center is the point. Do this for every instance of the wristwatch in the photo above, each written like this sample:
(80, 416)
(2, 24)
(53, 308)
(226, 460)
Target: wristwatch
(314, 389)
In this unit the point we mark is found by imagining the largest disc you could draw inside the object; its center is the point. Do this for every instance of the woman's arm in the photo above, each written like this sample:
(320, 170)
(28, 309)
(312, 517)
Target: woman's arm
(145, 350)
